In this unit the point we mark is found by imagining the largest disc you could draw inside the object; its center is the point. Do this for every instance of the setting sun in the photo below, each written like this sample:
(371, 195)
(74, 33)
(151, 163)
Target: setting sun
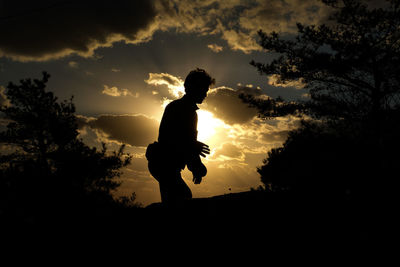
(207, 125)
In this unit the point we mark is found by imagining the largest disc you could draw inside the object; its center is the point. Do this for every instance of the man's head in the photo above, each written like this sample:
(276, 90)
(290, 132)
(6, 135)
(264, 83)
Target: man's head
(197, 84)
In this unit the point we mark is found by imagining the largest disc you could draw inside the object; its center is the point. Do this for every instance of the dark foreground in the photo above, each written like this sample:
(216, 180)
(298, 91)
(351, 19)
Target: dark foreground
(276, 217)
(237, 220)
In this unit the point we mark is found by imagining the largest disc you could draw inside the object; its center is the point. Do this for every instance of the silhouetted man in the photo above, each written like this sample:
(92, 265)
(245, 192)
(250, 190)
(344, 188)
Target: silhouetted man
(177, 144)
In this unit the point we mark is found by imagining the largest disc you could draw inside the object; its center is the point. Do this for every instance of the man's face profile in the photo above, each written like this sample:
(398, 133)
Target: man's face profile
(199, 94)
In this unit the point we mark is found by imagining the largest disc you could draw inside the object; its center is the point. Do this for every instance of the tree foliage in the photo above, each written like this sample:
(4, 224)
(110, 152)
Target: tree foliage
(350, 66)
(316, 159)
(49, 168)
(351, 69)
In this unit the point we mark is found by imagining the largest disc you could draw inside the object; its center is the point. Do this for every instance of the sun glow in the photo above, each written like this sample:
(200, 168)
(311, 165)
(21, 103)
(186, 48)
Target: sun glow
(207, 125)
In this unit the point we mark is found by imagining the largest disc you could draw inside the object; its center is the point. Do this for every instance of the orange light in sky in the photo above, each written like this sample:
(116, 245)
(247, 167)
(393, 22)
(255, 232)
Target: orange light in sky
(207, 125)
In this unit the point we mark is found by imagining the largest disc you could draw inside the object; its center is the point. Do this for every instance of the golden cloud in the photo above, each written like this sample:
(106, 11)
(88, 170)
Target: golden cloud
(215, 48)
(174, 84)
(114, 91)
(275, 80)
(237, 22)
(229, 151)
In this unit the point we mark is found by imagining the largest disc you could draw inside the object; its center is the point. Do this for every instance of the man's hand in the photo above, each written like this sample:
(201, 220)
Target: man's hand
(202, 149)
(199, 172)
(197, 180)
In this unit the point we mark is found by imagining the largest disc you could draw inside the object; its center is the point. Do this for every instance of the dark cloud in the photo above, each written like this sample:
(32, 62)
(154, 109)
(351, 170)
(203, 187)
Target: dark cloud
(225, 104)
(135, 130)
(40, 30)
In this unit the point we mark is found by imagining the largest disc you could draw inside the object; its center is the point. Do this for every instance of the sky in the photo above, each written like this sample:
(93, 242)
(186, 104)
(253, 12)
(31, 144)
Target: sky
(123, 61)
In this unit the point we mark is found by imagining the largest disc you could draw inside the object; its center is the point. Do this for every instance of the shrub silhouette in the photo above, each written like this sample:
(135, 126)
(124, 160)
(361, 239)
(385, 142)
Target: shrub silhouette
(50, 170)
(317, 160)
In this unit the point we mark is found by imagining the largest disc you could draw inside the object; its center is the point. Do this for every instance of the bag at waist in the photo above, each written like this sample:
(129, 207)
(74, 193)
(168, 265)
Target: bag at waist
(163, 154)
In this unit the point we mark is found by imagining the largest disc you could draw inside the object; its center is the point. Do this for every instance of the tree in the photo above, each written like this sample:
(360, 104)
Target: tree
(351, 67)
(316, 160)
(50, 169)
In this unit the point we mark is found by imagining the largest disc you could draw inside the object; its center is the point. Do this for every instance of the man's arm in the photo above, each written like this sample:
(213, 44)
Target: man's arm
(195, 165)
(197, 168)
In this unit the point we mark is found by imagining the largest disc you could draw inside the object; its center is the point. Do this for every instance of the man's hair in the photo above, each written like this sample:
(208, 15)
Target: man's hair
(198, 78)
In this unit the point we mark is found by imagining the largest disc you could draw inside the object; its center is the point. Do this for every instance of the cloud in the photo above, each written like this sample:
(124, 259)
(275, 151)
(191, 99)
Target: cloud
(275, 80)
(256, 136)
(274, 132)
(173, 84)
(134, 130)
(238, 40)
(225, 104)
(83, 121)
(220, 18)
(237, 22)
(281, 16)
(274, 136)
(229, 150)
(73, 64)
(114, 91)
(215, 48)
(43, 30)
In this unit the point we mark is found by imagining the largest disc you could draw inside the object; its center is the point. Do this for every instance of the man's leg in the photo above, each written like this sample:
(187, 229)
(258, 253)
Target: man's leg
(173, 188)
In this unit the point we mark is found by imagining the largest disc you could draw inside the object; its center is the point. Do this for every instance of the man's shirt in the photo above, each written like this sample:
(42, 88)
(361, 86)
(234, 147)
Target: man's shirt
(178, 132)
